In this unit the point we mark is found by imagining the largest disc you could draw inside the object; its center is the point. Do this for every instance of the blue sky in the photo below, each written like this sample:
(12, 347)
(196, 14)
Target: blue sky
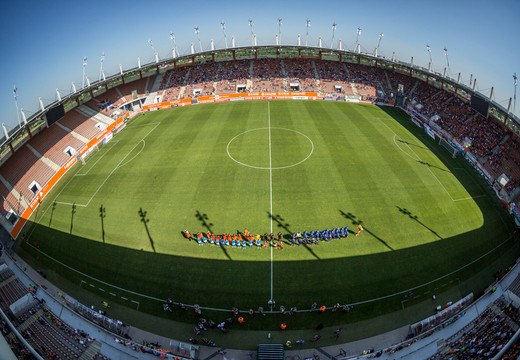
(43, 43)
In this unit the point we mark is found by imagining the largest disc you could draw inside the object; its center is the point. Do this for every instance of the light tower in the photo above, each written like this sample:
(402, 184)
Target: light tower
(251, 26)
(447, 60)
(84, 66)
(430, 65)
(333, 31)
(198, 36)
(307, 25)
(223, 26)
(280, 30)
(154, 52)
(174, 50)
(101, 66)
(16, 103)
(358, 45)
(515, 81)
(378, 44)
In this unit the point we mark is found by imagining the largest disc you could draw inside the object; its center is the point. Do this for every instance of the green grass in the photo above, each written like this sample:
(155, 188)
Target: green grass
(425, 215)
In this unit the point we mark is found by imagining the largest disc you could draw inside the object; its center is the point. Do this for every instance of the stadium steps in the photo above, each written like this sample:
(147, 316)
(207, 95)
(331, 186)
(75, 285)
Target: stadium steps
(388, 80)
(508, 320)
(45, 160)
(157, 83)
(91, 113)
(346, 70)
(15, 192)
(270, 352)
(91, 351)
(73, 133)
(316, 75)
(30, 320)
(181, 92)
(354, 90)
(146, 91)
(284, 71)
(120, 94)
(8, 280)
(414, 87)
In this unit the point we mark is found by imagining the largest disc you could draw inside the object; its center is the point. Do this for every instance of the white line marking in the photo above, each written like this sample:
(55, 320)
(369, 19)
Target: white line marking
(269, 168)
(271, 188)
(419, 159)
(120, 164)
(439, 181)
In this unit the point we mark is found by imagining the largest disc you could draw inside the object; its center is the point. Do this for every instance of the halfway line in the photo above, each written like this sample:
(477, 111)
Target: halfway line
(270, 190)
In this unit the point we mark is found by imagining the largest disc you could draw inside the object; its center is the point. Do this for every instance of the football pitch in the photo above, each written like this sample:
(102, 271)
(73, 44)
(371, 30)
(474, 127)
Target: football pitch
(114, 225)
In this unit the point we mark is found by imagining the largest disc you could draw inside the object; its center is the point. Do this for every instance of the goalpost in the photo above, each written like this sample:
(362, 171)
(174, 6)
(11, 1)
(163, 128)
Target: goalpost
(88, 154)
(447, 146)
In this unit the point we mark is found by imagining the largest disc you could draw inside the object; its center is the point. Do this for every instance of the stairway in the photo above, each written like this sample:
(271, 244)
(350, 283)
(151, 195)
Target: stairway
(91, 351)
(270, 352)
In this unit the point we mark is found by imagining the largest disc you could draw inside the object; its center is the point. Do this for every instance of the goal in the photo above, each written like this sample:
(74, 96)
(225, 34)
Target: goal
(448, 147)
(83, 158)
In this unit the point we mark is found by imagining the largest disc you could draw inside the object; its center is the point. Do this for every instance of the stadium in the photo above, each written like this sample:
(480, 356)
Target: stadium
(270, 200)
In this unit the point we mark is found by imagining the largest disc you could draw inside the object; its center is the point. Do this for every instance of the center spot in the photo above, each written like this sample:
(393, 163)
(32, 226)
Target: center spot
(288, 148)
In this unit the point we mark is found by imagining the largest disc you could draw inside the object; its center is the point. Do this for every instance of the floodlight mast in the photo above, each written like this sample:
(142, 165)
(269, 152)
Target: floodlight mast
(101, 67)
(198, 36)
(84, 66)
(515, 82)
(174, 50)
(333, 31)
(252, 35)
(358, 45)
(280, 30)
(430, 65)
(307, 25)
(15, 92)
(378, 44)
(223, 26)
(447, 60)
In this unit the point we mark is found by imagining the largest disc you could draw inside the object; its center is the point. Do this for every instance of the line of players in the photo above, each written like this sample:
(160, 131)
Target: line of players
(245, 239)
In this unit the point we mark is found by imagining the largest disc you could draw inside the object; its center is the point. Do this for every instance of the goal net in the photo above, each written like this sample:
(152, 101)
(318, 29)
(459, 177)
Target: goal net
(448, 147)
(88, 154)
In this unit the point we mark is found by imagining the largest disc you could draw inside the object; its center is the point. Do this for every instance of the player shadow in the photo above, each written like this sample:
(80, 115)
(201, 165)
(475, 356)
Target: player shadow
(145, 221)
(355, 221)
(405, 211)
(73, 211)
(204, 220)
(280, 223)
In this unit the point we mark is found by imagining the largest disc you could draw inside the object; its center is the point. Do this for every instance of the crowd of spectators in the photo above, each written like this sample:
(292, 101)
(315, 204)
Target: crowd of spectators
(485, 336)
(201, 78)
(232, 73)
(268, 75)
(301, 72)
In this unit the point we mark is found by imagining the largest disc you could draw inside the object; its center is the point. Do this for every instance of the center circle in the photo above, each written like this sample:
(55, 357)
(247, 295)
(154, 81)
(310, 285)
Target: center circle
(265, 144)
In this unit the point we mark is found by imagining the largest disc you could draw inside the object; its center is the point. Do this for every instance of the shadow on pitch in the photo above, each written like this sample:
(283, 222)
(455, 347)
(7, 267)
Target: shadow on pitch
(355, 221)
(205, 222)
(405, 211)
(145, 221)
(73, 211)
(280, 223)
